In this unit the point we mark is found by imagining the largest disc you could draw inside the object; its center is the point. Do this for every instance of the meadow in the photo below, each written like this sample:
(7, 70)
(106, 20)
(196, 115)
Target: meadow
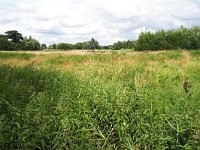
(100, 100)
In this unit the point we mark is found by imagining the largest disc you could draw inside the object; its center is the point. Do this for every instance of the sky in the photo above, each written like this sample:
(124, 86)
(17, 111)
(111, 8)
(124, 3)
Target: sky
(108, 21)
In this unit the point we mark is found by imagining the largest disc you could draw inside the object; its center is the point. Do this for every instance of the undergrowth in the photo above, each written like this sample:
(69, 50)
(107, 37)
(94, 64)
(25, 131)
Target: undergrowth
(114, 108)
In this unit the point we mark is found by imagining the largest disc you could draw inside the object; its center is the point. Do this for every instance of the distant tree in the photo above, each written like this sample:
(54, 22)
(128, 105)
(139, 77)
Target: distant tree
(31, 44)
(123, 45)
(64, 46)
(4, 43)
(79, 45)
(51, 46)
(105, 47)
(117, 45)
(93, 44)
(54, 46)
(130, 44)
(43, 46)
(14, 36)
(181, 38)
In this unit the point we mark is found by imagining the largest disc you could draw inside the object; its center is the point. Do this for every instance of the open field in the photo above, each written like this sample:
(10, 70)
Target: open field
(80, 52)
(100, 100)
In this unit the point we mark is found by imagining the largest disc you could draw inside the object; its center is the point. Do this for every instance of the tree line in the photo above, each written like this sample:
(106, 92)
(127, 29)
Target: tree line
(123, 45)
(13, 40)
(175, 39)
(93, 44)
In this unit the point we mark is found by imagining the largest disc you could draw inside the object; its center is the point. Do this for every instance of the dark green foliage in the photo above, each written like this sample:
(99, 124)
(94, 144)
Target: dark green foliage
(123, 45)
(173, 39)
(92, 44)
(7, 45)
(13, 40)
(64, 46)
(14, 36)
(54, 46)
(80, 45)
(43, 46)
(4, 43)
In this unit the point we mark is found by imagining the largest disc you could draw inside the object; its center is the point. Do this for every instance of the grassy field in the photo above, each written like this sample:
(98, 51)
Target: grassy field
(100, 100)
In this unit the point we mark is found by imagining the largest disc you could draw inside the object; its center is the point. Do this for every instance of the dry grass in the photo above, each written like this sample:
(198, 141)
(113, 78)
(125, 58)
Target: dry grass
(14, 62)
(118, 58)
(85, 52)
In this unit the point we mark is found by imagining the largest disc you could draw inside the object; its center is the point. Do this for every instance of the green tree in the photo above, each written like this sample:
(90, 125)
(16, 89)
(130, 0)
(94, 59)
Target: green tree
(105, 47)
(181, 38)
(43, 46)
(79, 45)
(14, 36)
(54, 46)
(31, 44)
(93, 44)
(123, 45)
(4, 43)
(64, 46)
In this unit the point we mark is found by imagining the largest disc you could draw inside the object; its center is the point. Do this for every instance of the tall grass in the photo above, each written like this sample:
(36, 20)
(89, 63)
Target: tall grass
(113, 107)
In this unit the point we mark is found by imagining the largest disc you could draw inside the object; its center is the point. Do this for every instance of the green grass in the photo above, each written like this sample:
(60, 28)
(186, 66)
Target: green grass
(162, 56)
(121, 105)
(195, 52)
(23, 56)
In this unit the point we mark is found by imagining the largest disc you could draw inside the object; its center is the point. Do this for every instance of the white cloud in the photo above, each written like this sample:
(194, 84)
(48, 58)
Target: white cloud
(106, 20)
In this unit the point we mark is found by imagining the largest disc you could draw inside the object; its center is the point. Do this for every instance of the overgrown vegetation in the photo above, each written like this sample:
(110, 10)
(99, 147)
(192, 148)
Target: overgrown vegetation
(138, 102)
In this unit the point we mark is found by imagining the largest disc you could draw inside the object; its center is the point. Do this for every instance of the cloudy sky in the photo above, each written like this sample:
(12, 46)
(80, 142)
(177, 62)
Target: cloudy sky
(107, 21)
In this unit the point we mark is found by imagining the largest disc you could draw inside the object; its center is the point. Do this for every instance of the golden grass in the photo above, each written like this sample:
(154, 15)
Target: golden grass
(87, 52)
(118, 62)
(14, 62)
